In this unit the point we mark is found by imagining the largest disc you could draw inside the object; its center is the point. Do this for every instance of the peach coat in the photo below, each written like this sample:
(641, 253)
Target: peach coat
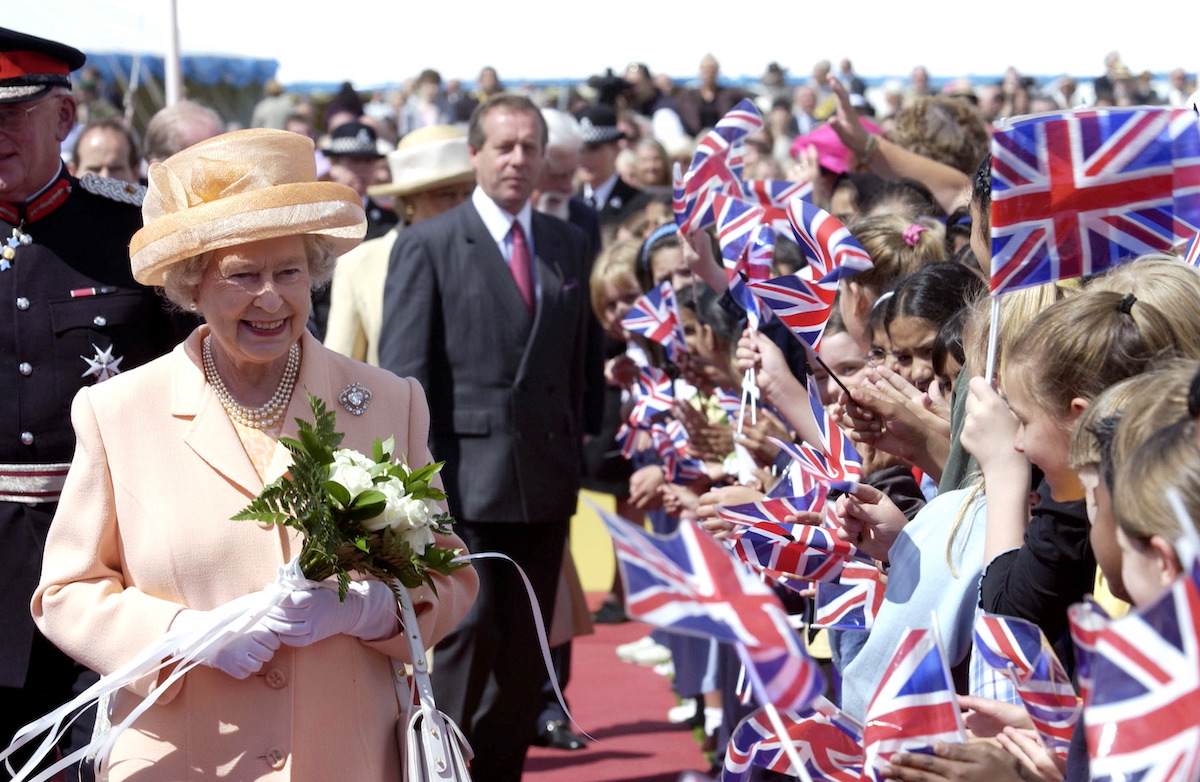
(143, 530)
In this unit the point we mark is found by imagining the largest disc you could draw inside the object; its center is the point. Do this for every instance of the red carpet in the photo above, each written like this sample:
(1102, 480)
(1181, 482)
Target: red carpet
(624, 707)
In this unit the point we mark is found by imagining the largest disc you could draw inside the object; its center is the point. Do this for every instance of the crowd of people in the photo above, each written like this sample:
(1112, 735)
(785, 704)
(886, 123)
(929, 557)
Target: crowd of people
(503, 243)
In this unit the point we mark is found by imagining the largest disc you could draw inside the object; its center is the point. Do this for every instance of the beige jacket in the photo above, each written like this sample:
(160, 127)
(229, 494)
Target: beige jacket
(143, 531)
(356, 299)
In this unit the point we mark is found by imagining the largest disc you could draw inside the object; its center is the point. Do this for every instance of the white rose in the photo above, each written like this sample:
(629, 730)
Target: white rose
(355, 478)
(350, 456)
(413, 514)
(393, 492)
(418, 538)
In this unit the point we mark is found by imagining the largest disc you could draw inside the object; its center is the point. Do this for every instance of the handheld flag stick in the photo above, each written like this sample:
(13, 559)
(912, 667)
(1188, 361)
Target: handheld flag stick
(773, 714)
(993, 335)
(836, 379)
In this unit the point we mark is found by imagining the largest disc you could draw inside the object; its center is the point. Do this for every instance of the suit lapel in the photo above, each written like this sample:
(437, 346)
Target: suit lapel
(550, 282)
(210, 434)
(485, 260)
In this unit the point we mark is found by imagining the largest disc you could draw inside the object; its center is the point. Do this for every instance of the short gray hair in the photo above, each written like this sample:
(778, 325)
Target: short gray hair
(180, 280)
(563, 130)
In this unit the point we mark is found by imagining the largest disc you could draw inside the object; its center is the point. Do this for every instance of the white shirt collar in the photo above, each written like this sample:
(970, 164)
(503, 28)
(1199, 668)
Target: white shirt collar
(600, 195)
(498, 221)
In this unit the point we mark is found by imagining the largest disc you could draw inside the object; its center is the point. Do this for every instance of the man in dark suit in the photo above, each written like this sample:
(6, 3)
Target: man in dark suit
(487, 306)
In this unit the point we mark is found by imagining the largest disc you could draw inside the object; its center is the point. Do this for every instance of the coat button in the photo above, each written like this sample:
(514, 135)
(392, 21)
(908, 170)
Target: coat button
(27, 438)
(22, 303)
(25, 368)
(276, 758)
(276, 679)
(100, 320)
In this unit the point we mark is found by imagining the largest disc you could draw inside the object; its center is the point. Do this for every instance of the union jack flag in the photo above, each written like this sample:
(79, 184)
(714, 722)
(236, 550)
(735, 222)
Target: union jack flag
(915, 704)
(688, 583)
(1191, 253)
(655, 316)
(653, 395)
(729, 401)
(1075, 192)
(832, 251)
(754, 266)
(853, 602)
(802, 305)
(773, 195)
(772, 509)
(1019, 650)
(793, 551)
(670, 441)
(736, 221)
(833, 460)
(828, 754)
(716, 167)
(1086, 619)
(1143, 720)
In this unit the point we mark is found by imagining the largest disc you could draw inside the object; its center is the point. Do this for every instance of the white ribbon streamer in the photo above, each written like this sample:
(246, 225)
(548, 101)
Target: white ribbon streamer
(181, 649)
(538, 624)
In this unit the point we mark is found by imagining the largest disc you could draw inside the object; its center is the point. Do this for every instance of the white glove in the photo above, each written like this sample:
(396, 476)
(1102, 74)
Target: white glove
(244, 655)
(307, 616)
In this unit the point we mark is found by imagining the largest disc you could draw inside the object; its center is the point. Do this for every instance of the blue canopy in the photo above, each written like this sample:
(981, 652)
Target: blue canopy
(204, 70)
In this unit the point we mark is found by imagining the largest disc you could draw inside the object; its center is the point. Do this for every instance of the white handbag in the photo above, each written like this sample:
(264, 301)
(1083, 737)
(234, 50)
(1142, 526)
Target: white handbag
(433, 747)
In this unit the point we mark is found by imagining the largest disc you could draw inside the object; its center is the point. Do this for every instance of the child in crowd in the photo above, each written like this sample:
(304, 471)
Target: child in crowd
(1054, 369)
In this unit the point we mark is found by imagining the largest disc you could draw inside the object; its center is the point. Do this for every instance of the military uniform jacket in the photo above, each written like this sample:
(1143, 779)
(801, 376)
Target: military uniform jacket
(66, 296)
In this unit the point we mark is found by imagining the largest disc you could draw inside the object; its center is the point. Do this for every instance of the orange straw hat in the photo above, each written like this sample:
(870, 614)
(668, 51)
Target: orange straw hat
(238, 188)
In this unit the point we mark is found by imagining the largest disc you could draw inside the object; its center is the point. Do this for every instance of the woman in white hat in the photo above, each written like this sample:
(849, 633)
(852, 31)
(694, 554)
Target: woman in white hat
(431, 173)
(238, 230)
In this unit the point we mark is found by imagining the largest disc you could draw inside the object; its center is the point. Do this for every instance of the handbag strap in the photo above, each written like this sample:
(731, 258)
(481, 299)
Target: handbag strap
(433, 727)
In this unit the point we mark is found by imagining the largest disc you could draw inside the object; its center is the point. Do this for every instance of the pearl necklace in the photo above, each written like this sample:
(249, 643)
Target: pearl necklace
(254, 417)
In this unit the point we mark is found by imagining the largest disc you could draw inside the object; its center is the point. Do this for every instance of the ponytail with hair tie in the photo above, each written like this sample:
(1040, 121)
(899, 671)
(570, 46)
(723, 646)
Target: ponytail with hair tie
(912, 234)
(1127, 303)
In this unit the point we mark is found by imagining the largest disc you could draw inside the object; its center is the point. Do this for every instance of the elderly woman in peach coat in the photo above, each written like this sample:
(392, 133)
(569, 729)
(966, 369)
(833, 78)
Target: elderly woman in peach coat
(238, 231)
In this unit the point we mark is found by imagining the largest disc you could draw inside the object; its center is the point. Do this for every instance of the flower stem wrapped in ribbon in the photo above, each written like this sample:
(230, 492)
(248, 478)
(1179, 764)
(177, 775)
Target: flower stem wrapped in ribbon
(371, 514)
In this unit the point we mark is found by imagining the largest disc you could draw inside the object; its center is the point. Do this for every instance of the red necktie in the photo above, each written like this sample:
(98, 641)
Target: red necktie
(521, 271)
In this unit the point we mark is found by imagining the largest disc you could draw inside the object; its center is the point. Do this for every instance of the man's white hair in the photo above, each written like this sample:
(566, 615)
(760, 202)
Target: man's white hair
(564, 131)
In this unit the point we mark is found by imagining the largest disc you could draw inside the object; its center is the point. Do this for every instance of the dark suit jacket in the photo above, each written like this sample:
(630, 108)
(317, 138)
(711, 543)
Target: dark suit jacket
(623, 202)
(504, 393)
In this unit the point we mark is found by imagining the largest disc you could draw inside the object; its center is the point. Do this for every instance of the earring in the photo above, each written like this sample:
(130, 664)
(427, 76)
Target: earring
(192, 305)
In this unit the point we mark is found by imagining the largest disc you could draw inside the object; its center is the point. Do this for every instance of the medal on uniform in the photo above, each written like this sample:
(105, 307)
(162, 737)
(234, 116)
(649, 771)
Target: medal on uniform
(102, 366)
(9, 251)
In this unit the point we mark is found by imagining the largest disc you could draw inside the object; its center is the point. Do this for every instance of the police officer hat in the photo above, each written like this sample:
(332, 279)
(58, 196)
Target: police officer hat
(31, 66)
(598, 124)
(353, 139)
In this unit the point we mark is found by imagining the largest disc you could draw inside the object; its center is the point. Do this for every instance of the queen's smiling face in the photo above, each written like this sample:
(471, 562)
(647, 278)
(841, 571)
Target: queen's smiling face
(256, 299)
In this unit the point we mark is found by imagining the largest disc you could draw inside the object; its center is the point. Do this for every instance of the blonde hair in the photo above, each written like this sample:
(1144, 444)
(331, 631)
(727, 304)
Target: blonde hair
(1167, 459)
(1172, 286)
(1083, 344)
(882, 236)
(1017, 310)
(615, 265)
(1163, 399)
(1092, 439)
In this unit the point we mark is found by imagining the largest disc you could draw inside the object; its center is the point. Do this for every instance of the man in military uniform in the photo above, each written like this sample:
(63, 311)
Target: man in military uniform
(70, 315)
